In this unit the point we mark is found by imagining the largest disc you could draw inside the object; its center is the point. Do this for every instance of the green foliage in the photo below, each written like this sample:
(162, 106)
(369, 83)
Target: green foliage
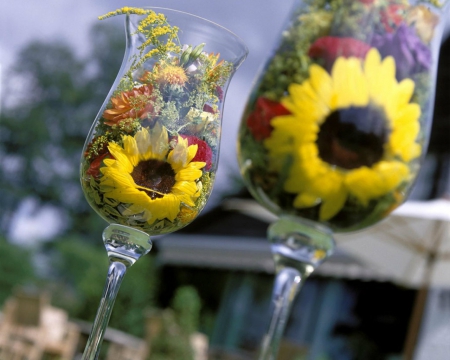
(177, 326)
(15, 267)
(137, 292)
(44, 125)
(171, 342)
(82, 268)
(187, 304)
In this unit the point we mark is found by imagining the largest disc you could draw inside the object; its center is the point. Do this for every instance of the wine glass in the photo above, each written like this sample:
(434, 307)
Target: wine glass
(335, 128)
(149, 161)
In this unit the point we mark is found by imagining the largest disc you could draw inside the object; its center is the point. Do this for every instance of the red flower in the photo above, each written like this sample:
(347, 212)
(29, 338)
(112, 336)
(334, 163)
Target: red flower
(204, 152)
(208, 108)
(392, 16)
(94, 168)
(330, 48)
(219, 92)
(96, 158)
(258, 122)
(367, 2)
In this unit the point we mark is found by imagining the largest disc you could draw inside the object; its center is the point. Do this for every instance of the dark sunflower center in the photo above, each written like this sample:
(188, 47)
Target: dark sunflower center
(353, 137)
(155, 175)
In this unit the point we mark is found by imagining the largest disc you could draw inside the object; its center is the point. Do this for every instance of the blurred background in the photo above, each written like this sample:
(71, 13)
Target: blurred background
(57, 64)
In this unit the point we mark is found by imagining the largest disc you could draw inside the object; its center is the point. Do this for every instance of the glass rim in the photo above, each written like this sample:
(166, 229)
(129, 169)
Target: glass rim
(233, 34)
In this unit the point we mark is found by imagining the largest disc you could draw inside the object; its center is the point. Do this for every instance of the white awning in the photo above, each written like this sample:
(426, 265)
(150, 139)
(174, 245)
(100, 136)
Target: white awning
(248, 254)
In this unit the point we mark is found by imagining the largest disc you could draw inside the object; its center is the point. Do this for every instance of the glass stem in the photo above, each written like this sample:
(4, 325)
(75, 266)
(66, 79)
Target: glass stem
(124, 246)
(287, 284)
(114, 278)
(298, 247)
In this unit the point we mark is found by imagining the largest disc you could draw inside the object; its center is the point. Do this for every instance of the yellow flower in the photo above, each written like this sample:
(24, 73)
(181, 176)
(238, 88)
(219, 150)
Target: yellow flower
(198, 120)
(350, 133)
(170, 74)
(423, 20)
(124, 10)
(187, 215)
(150, 179)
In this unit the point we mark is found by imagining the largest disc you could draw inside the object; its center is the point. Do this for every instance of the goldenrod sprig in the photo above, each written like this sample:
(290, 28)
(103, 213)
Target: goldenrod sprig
(159, 34)
(124, 10)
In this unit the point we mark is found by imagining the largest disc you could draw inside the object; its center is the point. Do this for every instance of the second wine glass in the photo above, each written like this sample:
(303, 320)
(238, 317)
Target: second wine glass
(335, 128)
(150, 158)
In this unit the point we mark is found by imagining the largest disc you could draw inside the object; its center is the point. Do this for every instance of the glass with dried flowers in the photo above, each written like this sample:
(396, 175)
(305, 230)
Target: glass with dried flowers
(149, 161)
(334, 130)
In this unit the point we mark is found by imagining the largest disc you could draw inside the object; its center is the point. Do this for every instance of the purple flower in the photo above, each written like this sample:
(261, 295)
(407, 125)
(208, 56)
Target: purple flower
(411, 55)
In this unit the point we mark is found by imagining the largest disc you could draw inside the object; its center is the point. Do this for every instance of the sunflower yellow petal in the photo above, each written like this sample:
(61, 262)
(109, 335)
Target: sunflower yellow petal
(304, 200)
(349, 84)
(408, 114)
(165, 207)
(130, 196)
(143, 144)
(405, 91)
(332, 204)
(392, 173)
(328, 185)
(178, 157)
(364, 183)
(304, 103)
(108, 162)
(171, 204)
(380, 75)
(188, 174)
(159, 142)
(385, 176)
(113, 177)
(387, 68)
(118, 153)
(341, 97)
(411, 152)
(192, 151)
(322, 83)
(406, 150)
(185, 194)
(131, 149)
(288, 127)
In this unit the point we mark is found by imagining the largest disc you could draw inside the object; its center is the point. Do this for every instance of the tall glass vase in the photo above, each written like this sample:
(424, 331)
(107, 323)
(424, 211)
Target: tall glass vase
(336, 126)
(149, 162)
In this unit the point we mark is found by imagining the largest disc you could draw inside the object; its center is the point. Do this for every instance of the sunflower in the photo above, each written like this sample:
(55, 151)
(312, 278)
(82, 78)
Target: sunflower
(151, 179)
(351, 133)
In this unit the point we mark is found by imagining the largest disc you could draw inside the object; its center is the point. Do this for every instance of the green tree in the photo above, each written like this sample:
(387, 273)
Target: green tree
(187, 305)
(178, 324)
(15, 267)
(82, 268)
(42, 132)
